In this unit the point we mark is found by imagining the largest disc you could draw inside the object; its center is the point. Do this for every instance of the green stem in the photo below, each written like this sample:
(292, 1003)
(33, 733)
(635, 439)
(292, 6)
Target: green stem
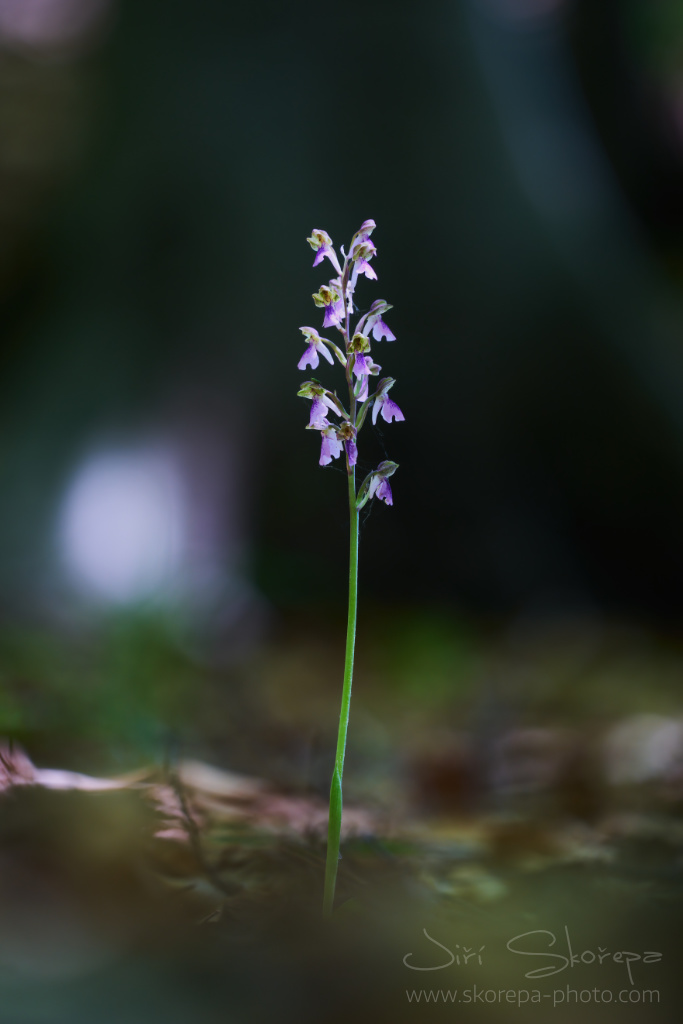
(334, 827)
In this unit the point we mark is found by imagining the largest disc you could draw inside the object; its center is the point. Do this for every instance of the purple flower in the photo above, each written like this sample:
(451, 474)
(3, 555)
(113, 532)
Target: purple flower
(323, 404)
(380, 330)
(360, 365)
(363, 233)
(362, 266)
(329, 297)
(388, 408)
(362, 251)
(377, 484)
(316, 345)
(363, 366)
(337, 437)
(324, 401)
(347, 434)
(381, 488)
(372, 323)
(331, 446)
(376, 326)
(321, 242)
(319, 411)
(361, 254)
(334, 314)
(365, 230)
(384, 404)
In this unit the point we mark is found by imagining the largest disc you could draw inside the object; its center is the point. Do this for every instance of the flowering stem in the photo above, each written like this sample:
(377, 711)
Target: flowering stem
(337, 299)
(334, 827)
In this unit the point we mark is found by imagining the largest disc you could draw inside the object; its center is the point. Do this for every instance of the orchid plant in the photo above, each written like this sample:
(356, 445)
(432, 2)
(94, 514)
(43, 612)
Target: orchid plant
(340, 435)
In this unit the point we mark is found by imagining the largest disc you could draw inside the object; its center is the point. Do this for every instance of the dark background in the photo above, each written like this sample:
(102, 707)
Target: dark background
(523, 161)
(161, 167)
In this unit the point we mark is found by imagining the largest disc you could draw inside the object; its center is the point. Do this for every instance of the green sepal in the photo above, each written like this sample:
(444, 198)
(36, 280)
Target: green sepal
(384, 385)
(318, 239)
(311, 389)
(362, 496)
(325, 297)
(360, 343)
(338, 352)
(338, 405)
(362, 251)
(314, 389)
(360, 418)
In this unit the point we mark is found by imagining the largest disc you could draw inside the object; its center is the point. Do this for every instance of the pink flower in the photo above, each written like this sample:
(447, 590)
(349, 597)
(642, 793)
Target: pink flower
(321, 243)
(374, 324)
(316, 345)
(390, 411)
(378, 485)
(329, 298)
(384, 405)
(331, 446)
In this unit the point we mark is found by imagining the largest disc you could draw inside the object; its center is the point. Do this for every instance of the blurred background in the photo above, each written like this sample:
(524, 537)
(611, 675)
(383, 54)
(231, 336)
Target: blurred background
(173, 559)
(160, 169)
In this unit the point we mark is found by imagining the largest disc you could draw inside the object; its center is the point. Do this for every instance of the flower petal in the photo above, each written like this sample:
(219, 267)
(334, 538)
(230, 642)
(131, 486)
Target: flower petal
(331, 446)
(329, 402)
(328, 251)
(325, 454)
(309, 358)
(376, 406)
(390, 410)
(318, 420)
(384, 492)
(365, 268)
(380, 330)
(334, 314)
(360, 366)
(324, 351)
(332, 257)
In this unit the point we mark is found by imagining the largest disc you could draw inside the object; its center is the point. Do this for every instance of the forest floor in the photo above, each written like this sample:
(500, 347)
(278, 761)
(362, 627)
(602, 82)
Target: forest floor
(513, 839)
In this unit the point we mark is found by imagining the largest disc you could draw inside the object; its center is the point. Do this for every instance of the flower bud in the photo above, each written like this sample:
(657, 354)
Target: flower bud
(364, 231)
(384, 385)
